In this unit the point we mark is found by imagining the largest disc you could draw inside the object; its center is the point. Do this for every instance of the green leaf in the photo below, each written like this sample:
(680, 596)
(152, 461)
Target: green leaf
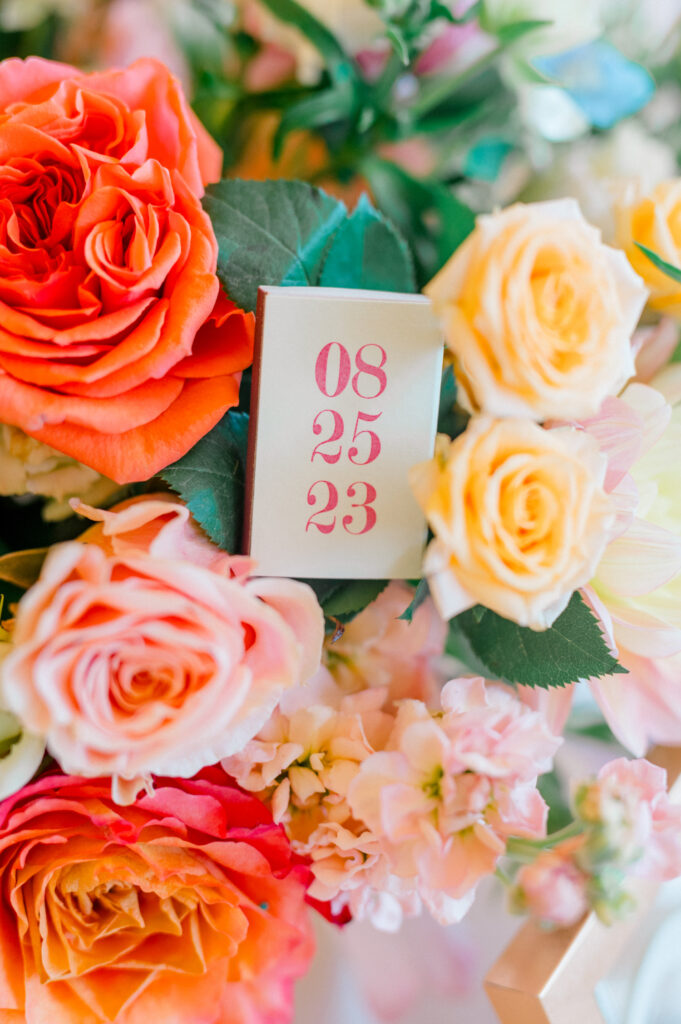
(342, 600)
(368, 252)
(210, 480)
(399, 44)
(457, 646)
(560, 815)
(352, 597)
(676, 354)
(421, 594)
(514, 30)
(486, 158)
(452, 419)
(22, 568)
(270, 232)
(572, 649)
(666, 268)
(335, 104)
(429, 215)
(7, 742)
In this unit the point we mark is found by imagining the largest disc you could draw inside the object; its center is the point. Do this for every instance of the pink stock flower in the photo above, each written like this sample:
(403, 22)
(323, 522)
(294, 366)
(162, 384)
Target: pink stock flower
(153, 653)
(379, 649)
(553, 888)
(631, 821)
(302, 763)
(451, 787)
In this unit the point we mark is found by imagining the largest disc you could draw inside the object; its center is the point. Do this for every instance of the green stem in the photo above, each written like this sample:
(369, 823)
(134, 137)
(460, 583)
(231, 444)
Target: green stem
(524, 849)
(383, 87)
(438, 90)
(503, 877)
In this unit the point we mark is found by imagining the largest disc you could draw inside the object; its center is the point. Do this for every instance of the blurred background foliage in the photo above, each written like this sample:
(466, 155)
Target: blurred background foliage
(438, 108)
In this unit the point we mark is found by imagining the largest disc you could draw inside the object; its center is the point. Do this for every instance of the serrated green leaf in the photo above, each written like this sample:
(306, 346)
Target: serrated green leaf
(667, 268)
(210, 480)
(368, 252)
(572, 649)
(421, 594)
(270, 232)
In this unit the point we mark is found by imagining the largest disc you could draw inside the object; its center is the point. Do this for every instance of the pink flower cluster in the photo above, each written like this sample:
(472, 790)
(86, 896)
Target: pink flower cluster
(397, 805)
(629, 828)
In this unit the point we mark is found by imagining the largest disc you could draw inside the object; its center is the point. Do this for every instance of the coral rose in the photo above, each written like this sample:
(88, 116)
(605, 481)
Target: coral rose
(538, 313)
(654, 220)
(184, 907)
(136, 663)
(519, 515)
(117, 346)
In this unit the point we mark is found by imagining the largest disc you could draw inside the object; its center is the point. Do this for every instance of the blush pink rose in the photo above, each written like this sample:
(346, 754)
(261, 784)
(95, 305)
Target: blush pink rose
(132, 662)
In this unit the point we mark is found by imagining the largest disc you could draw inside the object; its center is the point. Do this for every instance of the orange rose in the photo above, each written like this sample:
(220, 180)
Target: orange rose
(183, 907)
(116, 344)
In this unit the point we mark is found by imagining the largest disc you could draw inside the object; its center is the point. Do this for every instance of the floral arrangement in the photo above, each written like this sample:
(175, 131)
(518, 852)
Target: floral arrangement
(196, 759)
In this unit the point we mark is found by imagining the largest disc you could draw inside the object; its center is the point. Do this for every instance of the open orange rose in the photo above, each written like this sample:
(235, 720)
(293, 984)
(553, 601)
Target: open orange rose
(183, 907)
(116, 345)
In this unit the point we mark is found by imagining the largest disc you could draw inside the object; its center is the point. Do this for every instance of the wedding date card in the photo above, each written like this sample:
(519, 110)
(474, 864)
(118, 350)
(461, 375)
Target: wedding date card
(345, 399)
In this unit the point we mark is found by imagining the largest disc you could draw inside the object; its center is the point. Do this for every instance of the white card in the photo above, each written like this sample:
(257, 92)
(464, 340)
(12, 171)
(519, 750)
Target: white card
(345, 398)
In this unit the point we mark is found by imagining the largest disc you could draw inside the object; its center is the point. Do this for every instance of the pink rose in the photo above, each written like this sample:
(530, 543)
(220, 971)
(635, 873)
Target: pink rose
(131, 661)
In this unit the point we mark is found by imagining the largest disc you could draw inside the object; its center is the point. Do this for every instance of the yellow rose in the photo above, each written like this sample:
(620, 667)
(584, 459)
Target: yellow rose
(653, 220)
(519, 515)
(538, 313)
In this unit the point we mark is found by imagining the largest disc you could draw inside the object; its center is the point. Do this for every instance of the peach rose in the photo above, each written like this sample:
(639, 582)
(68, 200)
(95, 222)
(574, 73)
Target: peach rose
(134, 662)
(654, 220)
(538, 313)
(519, 515)
(117, 346)
(184, 907)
